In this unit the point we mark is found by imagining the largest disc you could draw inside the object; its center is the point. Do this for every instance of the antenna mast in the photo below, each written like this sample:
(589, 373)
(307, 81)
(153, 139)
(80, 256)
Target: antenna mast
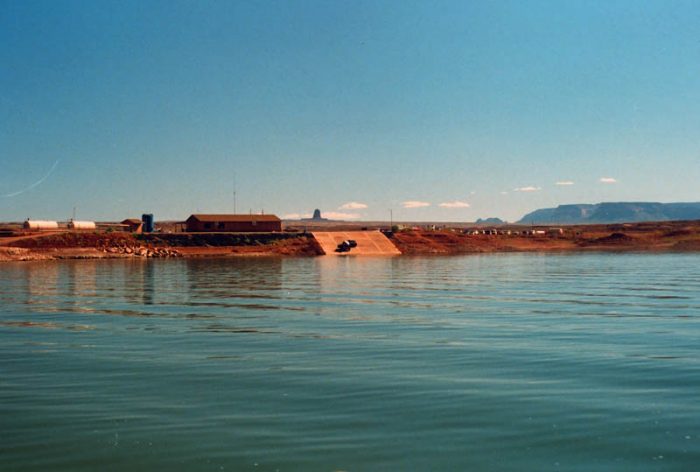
(234, 194)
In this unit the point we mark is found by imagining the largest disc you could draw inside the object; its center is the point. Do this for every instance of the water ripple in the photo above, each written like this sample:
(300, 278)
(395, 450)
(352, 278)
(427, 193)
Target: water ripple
(498, 362)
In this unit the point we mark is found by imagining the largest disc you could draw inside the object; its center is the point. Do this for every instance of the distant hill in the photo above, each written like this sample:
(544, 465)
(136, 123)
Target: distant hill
(613, 212)
(489, 221)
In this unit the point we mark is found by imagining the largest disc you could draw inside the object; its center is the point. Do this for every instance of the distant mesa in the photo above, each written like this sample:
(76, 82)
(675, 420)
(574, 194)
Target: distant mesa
(317, 216)
(490, 221)
(613, 212)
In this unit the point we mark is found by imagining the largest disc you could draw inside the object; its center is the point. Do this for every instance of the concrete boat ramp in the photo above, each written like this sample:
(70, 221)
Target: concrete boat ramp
(369, 243)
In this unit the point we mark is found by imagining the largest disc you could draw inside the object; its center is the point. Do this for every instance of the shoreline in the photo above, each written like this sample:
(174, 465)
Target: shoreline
(13, 254)
(677, 237)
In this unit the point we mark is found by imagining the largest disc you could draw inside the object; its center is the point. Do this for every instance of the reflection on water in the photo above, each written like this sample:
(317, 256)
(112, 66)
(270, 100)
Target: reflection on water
(246, 278)
(499, 362)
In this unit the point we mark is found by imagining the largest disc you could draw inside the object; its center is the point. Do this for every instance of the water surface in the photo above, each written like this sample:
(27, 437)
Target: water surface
(499, 362)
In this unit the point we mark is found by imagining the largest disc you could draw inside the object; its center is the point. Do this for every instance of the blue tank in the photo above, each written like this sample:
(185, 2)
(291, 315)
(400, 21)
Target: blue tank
(149, 224)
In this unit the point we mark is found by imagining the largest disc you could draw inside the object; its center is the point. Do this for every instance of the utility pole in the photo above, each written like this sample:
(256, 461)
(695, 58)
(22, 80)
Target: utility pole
(391, 218)
(234, 194)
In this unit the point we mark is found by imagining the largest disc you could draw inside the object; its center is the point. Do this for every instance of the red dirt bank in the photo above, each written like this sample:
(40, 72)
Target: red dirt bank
(666, 236)
(80, 245)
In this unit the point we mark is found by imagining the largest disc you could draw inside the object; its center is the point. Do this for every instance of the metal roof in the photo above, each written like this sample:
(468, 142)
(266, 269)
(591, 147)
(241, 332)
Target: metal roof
(232, 218)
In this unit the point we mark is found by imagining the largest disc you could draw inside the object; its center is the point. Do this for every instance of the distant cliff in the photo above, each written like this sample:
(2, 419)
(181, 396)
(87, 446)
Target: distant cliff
(617, 212)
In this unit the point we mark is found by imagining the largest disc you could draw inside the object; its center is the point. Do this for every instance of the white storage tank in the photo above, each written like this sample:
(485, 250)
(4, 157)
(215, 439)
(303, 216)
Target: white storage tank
(40, 224)
(72, 224)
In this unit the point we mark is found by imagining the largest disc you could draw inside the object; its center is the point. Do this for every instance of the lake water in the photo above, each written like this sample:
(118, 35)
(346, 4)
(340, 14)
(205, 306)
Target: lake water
(517, 362)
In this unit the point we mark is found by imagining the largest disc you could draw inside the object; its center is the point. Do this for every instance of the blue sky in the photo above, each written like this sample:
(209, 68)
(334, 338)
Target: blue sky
(437, 110)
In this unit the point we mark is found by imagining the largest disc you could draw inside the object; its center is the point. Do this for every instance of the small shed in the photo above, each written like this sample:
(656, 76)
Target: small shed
(233, 223)
(133, 225)
(38, 225)
(84, 225)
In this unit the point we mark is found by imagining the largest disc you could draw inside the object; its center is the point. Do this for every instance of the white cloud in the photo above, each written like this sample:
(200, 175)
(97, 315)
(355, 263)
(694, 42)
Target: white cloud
(352, 206)
(295, 216)
(333, 215)
(565, 182)
(529, 188)
(608, 180)
(504, 193)
(455, 204)
(415, 204)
